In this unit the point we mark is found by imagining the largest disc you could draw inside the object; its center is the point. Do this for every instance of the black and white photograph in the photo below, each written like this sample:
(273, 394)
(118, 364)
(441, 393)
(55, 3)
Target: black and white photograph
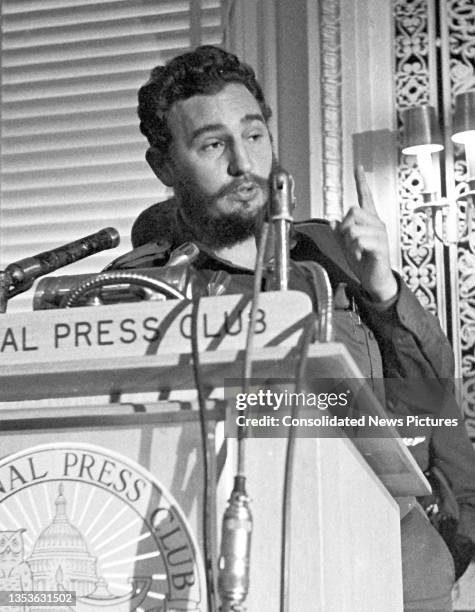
(237, 305)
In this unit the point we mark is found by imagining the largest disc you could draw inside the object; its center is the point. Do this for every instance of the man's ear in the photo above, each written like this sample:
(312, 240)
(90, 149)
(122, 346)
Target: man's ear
(162, 169)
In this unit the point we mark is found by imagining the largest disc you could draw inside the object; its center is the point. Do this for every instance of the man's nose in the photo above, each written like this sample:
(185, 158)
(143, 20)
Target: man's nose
(239, 162)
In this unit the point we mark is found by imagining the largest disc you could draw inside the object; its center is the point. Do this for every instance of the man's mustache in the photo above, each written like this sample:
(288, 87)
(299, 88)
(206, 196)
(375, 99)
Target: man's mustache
(250, 180)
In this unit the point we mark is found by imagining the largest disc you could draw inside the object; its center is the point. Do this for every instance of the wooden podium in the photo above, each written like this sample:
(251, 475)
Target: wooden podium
(100, 432)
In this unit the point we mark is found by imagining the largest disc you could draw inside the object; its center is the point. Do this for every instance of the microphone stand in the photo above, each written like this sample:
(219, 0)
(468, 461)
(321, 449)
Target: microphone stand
(234, 562)
(20, 275)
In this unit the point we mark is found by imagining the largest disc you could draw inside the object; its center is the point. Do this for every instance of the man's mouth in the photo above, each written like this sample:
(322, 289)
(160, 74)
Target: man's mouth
(245, 192)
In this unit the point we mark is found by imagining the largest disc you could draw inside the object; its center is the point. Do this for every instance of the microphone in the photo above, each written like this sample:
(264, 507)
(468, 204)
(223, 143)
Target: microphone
(234, 560)
(21, 274)
(281, 205)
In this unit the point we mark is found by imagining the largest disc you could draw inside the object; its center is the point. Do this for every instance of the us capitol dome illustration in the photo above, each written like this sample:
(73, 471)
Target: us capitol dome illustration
(61, 552)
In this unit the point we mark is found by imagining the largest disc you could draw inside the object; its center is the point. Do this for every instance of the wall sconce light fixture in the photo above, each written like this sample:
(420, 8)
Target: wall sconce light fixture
(464, 131)
(422, 138)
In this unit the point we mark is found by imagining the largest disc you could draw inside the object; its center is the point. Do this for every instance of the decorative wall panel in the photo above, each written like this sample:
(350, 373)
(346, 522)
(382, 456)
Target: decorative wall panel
(413, 88)
(458, 18)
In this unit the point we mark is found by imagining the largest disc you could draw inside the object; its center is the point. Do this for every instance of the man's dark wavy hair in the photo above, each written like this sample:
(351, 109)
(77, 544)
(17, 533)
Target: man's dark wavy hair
(206, 70)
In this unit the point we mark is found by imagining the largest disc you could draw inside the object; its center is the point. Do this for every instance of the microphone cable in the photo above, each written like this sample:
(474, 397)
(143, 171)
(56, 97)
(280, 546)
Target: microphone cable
(209, 521)
(319, 284)
(307, 337)
(249, 350)
(209, 514)
(236, 534)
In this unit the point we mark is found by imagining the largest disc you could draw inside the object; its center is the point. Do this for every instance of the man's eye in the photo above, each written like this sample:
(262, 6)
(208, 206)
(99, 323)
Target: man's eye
(256, 136)
(215, 145)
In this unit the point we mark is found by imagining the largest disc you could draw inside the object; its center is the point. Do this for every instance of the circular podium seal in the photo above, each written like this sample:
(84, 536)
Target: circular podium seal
(78, 517)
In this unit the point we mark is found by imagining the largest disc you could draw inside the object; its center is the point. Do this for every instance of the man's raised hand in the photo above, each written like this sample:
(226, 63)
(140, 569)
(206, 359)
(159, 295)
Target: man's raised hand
(366, 244)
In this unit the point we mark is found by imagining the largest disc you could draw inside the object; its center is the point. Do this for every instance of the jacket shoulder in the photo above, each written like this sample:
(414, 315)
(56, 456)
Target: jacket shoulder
(156, 222)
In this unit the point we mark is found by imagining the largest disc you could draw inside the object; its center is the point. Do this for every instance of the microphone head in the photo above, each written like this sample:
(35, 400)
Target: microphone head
(110, 237)
(282, 194)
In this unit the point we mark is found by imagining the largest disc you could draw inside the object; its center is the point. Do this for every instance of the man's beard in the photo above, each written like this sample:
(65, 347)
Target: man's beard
(218, 229)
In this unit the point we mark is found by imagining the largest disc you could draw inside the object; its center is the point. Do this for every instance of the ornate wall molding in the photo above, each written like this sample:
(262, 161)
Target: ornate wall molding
(412, 80)
(331, 108)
